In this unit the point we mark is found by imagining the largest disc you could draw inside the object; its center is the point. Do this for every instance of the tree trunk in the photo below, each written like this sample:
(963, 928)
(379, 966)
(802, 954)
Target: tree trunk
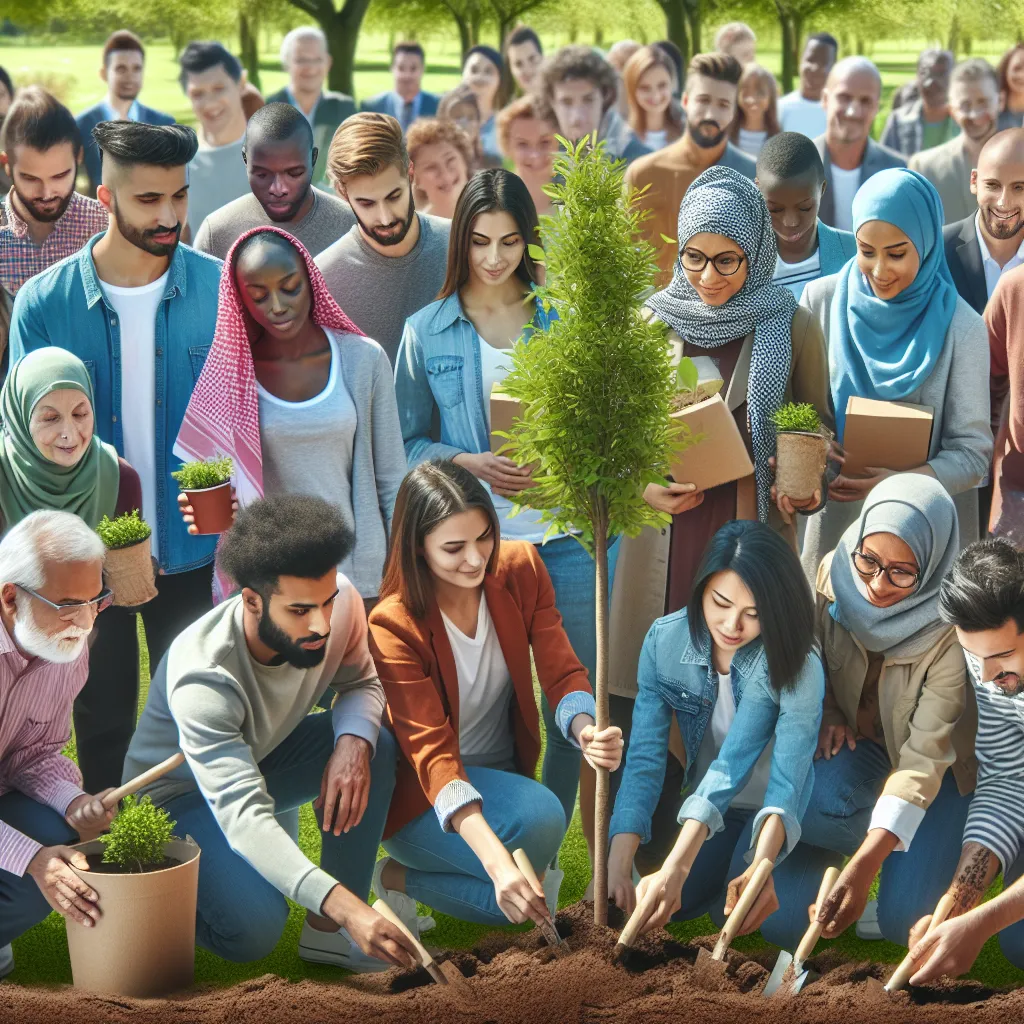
(693, 16)
(601, 809)
(475, 20)
(342, 31)
(797, 32)
(248, 43)
(599, 36)
(954, 36)
(786, 28)
(675, 27)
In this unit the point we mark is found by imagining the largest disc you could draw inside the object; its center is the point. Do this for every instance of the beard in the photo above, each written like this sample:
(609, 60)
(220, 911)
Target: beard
(39, 213)
(398, 236)
(1009, 683)
(60, 648)
(290, 650)
(1000, 228)
(707, 141)
(142, 238)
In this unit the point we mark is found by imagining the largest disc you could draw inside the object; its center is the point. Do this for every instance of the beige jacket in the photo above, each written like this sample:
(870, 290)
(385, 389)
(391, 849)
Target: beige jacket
(926, 704)
(948, 167)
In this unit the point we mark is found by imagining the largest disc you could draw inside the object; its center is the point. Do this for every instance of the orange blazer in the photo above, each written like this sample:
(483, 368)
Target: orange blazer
(417, 669)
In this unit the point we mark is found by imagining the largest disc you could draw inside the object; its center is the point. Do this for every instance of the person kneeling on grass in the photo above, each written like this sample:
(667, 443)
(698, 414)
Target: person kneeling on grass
(738, 671)
(460, 612)
(233, 693)
(51, 590)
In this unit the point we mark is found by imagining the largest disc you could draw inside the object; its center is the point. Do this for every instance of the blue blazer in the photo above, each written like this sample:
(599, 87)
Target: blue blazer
(88, 120)
(389, 103)
(835, 248)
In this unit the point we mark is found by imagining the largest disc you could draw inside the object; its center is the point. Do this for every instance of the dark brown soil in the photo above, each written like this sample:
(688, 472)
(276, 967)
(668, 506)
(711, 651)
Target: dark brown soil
(96, 864)
(519, 980)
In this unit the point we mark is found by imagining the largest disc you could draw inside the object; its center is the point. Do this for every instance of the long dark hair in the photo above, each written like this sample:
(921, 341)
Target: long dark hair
(772, 572)
(1003, 72)
(771, 115)
(488, 191)
(430, 494)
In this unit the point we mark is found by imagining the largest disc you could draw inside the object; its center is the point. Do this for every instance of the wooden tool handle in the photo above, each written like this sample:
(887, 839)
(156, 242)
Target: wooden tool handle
(628, 934)
(421, 951)
(908, 965)
(811, 936)
(115, 796)
(739, 914)
(524, 865)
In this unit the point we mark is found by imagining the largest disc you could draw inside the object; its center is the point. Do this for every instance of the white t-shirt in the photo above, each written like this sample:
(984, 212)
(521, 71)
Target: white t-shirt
(844, 188)
(752, 142)
(795, 275)
(136, 309)
(798, 114)
(485, 693)
(655, 140)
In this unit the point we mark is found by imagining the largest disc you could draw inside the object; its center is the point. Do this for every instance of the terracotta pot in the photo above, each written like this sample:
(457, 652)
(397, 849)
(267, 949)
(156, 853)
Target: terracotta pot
(130, 574)
(144, 943)
(212, 508)
(800, 463)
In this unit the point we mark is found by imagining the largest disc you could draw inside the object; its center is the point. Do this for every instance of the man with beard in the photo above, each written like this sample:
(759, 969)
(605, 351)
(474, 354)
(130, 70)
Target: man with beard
(123, 62)
(279, 157)
(140, 310)
(407, 101)
(925, 121)
(44, 219)
(392, 262)
(974, 102)
(983, 597)
(51, 590)
(709, 100)
(801, 110)
(851, 97)
(234, 694)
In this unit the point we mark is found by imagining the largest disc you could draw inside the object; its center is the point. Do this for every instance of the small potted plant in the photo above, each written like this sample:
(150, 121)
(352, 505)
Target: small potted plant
(207, 485)
(143, 945)
(696, 380)
(129, 561)
(802, 448)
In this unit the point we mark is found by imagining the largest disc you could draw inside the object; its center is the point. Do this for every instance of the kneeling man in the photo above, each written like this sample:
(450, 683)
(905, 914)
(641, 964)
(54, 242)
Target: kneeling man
(234, 693)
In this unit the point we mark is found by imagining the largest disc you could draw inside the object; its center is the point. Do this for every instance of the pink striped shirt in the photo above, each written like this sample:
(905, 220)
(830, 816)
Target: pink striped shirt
(35, 725)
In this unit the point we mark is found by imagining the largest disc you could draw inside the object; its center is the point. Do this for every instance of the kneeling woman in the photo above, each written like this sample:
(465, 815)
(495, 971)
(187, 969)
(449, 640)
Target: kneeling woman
(898, 714)
(737, 670)
(459, 614)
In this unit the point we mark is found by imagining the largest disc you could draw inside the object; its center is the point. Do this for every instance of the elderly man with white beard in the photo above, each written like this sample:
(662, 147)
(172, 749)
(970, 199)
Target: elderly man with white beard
(51, 590)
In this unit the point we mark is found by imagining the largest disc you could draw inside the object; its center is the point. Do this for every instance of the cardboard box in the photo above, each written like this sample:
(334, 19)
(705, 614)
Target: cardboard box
(720, 456)
(504, 409)
(709, 380)
(885, 435)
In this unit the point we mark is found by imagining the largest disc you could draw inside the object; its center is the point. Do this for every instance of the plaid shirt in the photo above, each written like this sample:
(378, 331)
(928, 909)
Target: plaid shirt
(21, 258)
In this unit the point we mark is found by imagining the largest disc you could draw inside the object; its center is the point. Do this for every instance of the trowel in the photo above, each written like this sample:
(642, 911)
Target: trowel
(547, 928)
(801, 975)
(908, 966)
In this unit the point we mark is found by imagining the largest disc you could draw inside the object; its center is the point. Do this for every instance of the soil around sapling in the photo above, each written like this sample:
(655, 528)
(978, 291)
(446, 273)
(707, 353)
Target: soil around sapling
(98, 867)
(518, 979)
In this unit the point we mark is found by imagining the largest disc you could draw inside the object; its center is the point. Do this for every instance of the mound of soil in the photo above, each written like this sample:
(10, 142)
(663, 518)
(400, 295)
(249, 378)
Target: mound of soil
(517, 979)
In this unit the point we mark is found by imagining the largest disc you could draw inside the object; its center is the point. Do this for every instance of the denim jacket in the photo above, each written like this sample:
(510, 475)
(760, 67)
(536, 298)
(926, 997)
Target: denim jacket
(677, 677)
(65, 306)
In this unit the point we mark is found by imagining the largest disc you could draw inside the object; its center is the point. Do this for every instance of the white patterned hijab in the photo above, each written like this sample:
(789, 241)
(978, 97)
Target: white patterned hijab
(722, 201)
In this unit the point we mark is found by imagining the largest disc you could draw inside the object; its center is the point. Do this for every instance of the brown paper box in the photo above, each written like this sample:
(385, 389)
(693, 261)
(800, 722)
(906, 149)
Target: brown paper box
(885, 435)
(721, 456)
(504, 409)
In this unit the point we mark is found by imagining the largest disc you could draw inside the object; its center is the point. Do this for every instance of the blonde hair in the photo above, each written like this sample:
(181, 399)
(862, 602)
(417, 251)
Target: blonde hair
(732, 33)
(526, 107)
(365, 144)
(646, 58)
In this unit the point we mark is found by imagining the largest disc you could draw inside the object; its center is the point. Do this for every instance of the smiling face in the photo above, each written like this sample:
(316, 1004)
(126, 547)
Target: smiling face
(754, 98)
(999, 654)
(458, 549)
(654, 90)
(407, 72)
(851, 103)
(61, 425)
(216, 99)
(274, 286)
(532, 148)
(496, 247)
(714, 287)
(975, 107)
(998, 182)
(730, 612)
(280, 172)
(933, 71)
(793, 205)
(1015, 72)
(483, 78)
(308, 65)
(887, 258)
(123, 74)
(524, 61)
(710, 108)
(442, 174)
(578, 103)
(886, 551)
(815, 64)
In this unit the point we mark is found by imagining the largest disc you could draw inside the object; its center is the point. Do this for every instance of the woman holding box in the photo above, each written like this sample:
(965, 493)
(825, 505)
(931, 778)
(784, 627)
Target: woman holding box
(896, 330)
(898, 713)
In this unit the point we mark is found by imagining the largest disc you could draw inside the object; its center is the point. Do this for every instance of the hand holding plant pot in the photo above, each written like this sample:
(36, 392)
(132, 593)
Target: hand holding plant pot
(802, 449)
(129, 561)
(208, 495)
(71, 897)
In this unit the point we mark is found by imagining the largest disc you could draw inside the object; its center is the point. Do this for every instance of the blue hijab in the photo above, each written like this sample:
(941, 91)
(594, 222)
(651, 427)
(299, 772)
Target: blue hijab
(880, 348)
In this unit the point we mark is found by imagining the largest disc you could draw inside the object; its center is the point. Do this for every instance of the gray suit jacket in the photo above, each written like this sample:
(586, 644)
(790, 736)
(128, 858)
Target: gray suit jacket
(876, 158)
(963, 256)
(948, 168)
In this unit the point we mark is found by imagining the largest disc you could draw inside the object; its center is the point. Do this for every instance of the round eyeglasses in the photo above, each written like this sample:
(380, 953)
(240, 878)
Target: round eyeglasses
(869, 568)
(726, 263)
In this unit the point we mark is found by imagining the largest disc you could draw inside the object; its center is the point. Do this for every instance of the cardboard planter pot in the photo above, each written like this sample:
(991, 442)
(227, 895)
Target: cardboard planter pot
(211, 507)
(130, 574)
(720, 456)
(800, 463)
(145, 940)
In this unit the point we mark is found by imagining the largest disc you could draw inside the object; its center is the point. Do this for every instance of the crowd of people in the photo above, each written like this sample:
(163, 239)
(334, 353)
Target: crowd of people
(328, 296)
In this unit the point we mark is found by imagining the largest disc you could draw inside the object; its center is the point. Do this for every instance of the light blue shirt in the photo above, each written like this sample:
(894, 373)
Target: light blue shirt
(311, 116)
(113, 115)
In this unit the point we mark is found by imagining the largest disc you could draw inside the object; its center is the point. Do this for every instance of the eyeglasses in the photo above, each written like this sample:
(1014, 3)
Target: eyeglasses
(726, 263)
(67, 612)
(869, 568)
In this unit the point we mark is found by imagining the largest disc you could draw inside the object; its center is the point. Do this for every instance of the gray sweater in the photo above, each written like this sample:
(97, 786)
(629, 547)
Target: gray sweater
(379, 292)
(961, 444)
(226, 712)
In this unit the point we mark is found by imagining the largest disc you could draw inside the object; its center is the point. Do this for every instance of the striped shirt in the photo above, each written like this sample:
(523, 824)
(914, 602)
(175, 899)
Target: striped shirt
(35, 725)
(996, 816)
(21, 258)
(795, 275)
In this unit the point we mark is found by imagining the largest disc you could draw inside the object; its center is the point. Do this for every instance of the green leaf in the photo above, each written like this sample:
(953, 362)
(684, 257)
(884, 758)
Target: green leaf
(687, 375)
(536, 253)
(669, 241)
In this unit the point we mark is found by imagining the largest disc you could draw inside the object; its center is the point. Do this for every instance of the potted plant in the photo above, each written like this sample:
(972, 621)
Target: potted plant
(129, 562)
(696, 381)
(207, 485)
(801, 450)
(147, 880)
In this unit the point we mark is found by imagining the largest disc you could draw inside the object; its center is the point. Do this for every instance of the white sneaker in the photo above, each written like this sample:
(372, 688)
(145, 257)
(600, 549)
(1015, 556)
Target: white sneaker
(337, 949)
(867, 926)
(552, 884)
(401, 903)
(6, 960)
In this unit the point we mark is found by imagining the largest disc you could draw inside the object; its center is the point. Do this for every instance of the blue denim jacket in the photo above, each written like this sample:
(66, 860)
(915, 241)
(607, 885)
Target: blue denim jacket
(65, 306)
(676, 677)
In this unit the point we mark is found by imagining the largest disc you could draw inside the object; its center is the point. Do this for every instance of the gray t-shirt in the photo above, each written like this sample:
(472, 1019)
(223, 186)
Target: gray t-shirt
(328, 219)
(216, 175)
(380, 292)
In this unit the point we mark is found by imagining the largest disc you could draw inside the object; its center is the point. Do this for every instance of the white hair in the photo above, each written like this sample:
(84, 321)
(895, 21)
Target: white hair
(42, 538)
(854, 64)
(297, 35)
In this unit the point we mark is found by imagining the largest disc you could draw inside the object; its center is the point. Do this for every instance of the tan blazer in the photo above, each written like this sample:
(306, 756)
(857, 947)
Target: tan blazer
(948, 168)
(929, 718)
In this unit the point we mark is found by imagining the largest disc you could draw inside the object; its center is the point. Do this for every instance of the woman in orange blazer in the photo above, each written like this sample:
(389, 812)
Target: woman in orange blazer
(451, 636)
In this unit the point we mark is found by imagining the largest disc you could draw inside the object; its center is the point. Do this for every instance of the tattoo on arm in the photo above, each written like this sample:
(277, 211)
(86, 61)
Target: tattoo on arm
(974, 874)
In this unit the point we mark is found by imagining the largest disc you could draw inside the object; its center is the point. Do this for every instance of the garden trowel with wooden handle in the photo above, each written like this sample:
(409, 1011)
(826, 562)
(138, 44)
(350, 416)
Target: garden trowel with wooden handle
(547, 929)
(902, 974)
(115, 796)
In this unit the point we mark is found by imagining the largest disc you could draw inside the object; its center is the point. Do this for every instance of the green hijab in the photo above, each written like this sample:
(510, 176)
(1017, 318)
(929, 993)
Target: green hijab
(28, 480)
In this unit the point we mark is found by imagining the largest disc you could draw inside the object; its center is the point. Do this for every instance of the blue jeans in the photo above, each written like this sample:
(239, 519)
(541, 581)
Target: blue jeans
(240, 915)
(444, 873)
(837, 819)
(22, 905)
(572, 574)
